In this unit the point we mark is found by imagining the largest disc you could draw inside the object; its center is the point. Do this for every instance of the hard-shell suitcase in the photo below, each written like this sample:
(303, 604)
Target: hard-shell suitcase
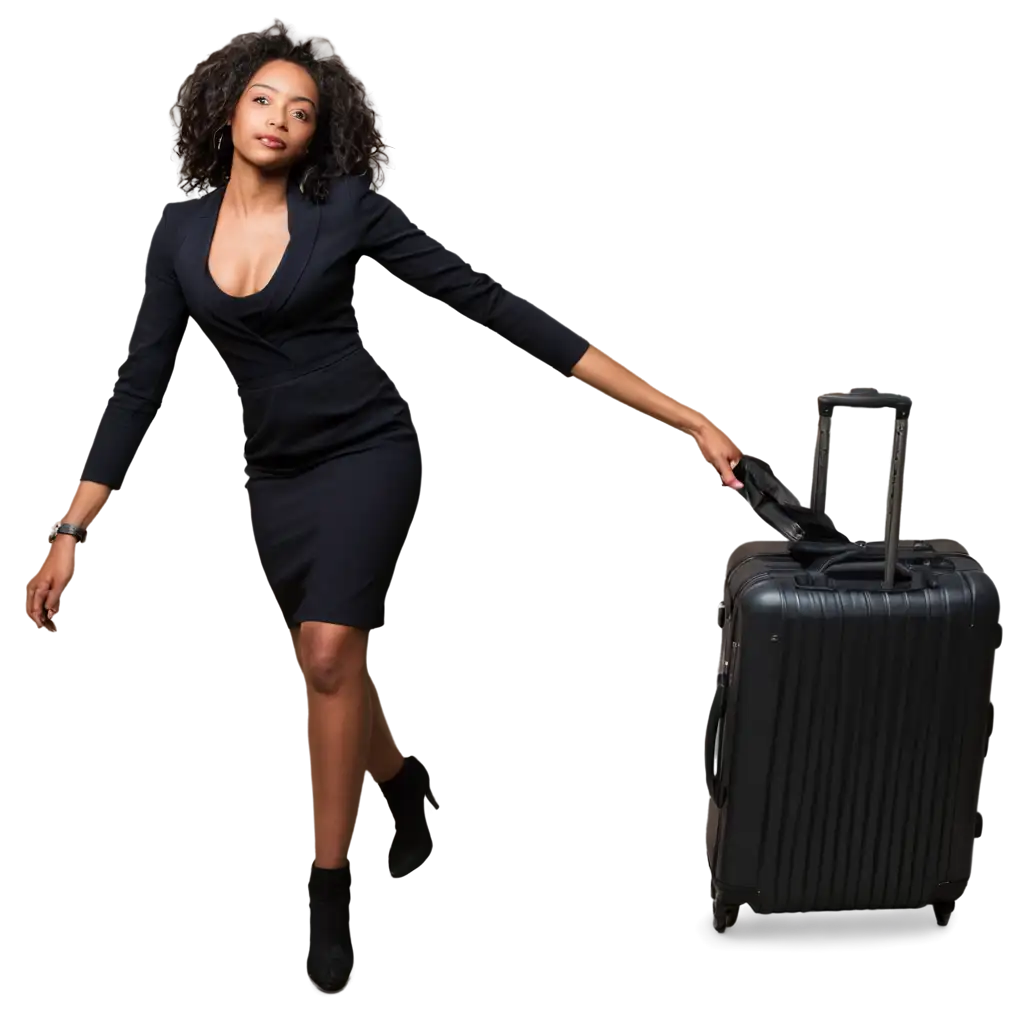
(851, 718)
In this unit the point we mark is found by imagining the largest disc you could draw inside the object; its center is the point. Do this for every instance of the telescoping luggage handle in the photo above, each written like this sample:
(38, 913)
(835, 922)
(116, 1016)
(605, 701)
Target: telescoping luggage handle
(866, 398)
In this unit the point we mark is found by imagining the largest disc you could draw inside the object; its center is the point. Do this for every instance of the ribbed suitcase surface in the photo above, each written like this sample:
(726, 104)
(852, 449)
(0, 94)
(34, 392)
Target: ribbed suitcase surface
(854, 724)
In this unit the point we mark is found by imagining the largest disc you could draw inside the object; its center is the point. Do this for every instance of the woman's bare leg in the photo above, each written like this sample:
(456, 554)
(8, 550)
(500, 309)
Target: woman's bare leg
(339, 696)
(385, 749)
(385, 759)
(333, 660)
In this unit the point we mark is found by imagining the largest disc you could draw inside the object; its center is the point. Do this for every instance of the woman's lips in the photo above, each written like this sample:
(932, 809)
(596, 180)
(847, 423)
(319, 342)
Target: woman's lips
(271, 143)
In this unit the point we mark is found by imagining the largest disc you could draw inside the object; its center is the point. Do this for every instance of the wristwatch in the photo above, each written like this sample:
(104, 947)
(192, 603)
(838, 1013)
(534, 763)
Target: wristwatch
(78, 531)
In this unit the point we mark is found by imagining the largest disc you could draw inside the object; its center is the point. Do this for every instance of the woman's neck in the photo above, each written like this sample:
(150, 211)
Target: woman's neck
(252, 191)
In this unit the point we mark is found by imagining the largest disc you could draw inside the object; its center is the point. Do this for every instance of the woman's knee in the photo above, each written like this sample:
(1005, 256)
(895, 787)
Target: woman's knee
(331, 655)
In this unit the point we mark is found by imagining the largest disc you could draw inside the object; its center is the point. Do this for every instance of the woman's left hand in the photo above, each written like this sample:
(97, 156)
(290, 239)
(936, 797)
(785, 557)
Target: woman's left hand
(719, 451)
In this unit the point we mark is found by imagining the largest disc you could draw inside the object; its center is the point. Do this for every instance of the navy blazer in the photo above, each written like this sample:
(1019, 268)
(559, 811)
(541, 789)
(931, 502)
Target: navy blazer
(303, 318)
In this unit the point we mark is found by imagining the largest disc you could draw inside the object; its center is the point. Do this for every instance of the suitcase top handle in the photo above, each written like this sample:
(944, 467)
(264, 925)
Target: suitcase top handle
(864, 398)
(861, 574)
(862, 577)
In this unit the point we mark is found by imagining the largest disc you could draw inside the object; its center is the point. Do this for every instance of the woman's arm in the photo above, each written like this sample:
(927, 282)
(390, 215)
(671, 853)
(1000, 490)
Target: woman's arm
(596, 372)
(389, 237)
(85, 506)
(138, 392)
(143, 376)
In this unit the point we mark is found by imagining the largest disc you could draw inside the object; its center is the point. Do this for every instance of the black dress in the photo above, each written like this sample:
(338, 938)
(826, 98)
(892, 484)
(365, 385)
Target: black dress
(332, 457)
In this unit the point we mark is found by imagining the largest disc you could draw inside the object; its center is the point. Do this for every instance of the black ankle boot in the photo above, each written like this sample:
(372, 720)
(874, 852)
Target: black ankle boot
(404, 793)
(330, 946)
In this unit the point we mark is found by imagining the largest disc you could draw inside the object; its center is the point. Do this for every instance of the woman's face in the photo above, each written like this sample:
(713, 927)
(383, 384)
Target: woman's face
(280, 101)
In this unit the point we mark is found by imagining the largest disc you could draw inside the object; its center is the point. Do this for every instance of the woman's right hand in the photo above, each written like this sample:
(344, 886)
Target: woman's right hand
(45, 588)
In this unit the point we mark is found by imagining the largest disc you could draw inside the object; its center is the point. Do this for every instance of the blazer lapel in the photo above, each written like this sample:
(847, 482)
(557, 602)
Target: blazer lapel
(303, 225)
(195, 247)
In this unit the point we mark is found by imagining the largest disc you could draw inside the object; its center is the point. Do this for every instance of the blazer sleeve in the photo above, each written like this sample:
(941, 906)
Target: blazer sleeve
(143, 376)
(389, 237)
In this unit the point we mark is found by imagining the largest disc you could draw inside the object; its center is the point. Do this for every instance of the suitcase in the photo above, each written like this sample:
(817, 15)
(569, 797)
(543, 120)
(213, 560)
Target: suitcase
(851, 717)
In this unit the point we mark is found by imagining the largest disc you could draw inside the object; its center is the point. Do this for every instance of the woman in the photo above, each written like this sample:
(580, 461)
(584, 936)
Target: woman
(264, 262)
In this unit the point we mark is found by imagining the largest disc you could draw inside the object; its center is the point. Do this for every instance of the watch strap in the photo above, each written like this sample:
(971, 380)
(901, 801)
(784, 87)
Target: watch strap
(76, 531)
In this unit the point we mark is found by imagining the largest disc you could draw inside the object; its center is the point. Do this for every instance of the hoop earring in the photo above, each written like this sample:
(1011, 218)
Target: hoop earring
(221, 138)
(302, 181)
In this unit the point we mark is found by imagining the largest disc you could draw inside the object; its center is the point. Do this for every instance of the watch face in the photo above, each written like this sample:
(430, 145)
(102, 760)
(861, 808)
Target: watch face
(53, 530)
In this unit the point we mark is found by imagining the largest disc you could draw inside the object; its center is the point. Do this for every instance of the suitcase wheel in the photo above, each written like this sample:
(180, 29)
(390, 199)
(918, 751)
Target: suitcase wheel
(721, 919)
(943, 910)
(724, 914)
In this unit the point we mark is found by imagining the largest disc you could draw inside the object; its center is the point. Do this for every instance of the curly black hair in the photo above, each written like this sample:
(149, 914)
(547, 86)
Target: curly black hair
(346, 140)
